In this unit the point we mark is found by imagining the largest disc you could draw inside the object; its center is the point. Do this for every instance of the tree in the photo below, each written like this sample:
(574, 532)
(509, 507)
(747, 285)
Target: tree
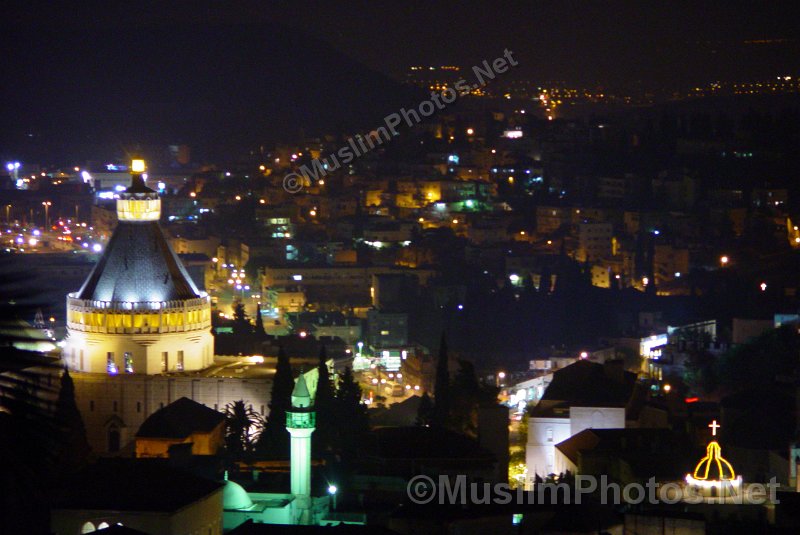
(275, 439)
(758, 362)
(424, 411)
(73, 448)
(441, 389)
(241, 325)
(29, 433)
(243, 426)
(323, 405)
(351, 415)
(545, 280)
(260, 333)
(467, 394)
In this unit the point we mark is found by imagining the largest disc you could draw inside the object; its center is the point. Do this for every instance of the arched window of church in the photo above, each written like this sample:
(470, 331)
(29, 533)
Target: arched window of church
(102, 525)
(87, 527)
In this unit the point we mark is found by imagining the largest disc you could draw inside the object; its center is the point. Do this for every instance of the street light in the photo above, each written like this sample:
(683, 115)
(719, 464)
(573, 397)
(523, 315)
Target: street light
(46, 205)
(500, 379)
(332, 491)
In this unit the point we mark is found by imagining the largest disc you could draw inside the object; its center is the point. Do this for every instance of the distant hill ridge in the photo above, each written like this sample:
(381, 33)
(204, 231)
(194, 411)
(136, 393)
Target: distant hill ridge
(217, 88)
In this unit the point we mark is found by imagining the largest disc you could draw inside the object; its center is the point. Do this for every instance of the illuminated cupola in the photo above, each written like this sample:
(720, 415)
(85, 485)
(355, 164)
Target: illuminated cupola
(138, 202)
(138, 311)
(714, 475)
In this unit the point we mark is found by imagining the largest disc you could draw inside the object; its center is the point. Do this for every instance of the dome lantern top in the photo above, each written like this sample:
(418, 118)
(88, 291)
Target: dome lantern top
(138, 202)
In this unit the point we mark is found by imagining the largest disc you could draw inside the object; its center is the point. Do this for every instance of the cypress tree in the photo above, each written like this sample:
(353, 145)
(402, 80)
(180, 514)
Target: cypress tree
(323, 404)
(424, 411)
(73, 446)
(441, 388)
(260, 333)
(352, 420)
(275, 438)
(242, 329)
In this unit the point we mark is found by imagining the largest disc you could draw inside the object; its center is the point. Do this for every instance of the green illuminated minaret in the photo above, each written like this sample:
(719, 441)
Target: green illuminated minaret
(300, 421)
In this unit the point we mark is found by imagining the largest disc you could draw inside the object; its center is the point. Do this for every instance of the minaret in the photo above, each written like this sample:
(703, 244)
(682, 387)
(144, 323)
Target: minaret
(300, 421)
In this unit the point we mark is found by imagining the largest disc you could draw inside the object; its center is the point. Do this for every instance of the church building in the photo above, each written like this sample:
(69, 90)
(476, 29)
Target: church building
(139, 331)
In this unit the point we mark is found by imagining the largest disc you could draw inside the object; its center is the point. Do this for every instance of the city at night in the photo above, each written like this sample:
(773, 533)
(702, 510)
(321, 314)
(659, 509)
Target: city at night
(400, 268)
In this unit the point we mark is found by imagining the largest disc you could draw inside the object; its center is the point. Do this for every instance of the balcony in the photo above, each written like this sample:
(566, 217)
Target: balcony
(147, 317)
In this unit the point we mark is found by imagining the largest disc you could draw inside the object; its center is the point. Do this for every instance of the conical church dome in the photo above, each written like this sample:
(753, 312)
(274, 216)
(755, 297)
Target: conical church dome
(139, 310)
(138, 264)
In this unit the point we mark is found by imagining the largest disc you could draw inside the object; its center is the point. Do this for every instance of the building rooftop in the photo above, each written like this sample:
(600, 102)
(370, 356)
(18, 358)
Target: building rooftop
(138, 265)
(119, 529)
(588, 384)
(180, 419)
(134, 485)
(251, 528)
(425, 443)
(647, 452)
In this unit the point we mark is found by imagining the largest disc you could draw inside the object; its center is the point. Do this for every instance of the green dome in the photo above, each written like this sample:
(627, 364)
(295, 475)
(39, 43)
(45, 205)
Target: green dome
(234, 496)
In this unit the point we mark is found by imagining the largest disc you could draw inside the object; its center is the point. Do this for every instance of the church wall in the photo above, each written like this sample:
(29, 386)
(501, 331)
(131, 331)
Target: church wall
(543, 435)
(596, 418)
(545, 432)
(203, 516)
(146, 351)
(202, 443)
(123, 402)
(158, 447)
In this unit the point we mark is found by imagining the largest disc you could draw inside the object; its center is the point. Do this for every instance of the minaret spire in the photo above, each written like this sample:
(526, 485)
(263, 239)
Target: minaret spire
(300, 422)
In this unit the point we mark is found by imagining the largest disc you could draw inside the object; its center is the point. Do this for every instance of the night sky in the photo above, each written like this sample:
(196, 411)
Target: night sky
(89, 73)
(578, 41)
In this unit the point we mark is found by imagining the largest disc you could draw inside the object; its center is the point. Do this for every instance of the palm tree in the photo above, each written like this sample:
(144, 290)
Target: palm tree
(244, 425)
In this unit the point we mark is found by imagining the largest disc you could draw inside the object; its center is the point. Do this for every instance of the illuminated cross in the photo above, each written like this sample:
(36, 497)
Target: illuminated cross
(714, 426)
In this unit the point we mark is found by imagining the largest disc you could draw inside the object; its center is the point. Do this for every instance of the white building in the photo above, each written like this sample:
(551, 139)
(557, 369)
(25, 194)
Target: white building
(557, 425)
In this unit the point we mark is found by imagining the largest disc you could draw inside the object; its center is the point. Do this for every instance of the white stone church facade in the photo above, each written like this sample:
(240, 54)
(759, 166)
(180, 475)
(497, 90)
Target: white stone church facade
(139, 331)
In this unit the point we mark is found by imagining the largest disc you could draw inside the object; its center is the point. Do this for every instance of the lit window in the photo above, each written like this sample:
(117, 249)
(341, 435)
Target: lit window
(128, 362)
(111, 366)
(164, 361)
(179, 364)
